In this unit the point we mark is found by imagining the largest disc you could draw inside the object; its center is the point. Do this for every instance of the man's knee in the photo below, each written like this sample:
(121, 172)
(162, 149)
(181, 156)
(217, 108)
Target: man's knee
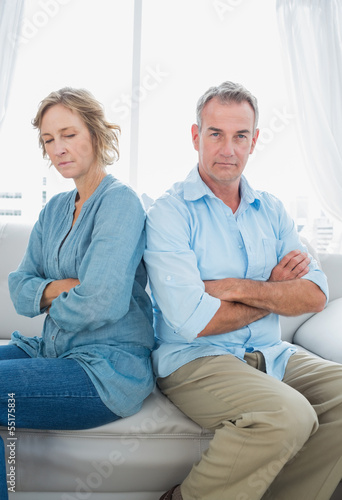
(288, 423)
(297, 422)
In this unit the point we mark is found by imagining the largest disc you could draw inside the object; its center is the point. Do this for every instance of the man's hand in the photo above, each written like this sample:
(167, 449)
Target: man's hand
(291, 267)
(284, 293)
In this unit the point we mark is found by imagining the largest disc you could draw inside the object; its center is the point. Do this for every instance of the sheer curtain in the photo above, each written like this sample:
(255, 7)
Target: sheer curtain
(10, 22)
(311, 33)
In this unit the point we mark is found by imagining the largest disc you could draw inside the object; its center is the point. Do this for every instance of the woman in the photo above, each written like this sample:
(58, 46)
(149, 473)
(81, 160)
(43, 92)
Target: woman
(82, 268)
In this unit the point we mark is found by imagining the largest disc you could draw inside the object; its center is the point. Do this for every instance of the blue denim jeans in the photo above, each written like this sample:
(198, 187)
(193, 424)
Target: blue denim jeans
(48, 393)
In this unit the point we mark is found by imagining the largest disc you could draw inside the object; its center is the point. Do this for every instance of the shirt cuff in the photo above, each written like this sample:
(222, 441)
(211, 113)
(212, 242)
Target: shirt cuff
(38, 298)
(319, 278)
(204, 312)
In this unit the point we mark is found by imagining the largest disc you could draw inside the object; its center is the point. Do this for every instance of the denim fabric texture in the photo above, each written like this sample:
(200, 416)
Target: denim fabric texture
(193, 236)
(105, 323)
(47, 394)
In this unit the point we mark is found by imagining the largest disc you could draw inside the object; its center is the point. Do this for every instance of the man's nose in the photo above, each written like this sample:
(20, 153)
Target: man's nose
(227, 148)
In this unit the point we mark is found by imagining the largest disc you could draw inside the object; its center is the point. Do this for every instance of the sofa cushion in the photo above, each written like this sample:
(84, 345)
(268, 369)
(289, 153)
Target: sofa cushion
(322, 333)
(155, 448)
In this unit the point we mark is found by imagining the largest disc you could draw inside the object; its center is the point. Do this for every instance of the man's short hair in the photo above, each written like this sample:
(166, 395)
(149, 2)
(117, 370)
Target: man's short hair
(226, 93)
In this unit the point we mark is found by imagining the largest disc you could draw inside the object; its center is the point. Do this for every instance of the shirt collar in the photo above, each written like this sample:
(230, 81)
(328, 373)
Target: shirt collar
(248, 194)
(195, 188)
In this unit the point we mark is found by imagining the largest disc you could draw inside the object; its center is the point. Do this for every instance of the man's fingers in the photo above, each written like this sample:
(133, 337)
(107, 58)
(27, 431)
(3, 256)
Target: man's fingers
(303, 273)
(289, 257)
(302, 265)
(296, 260)
(293, 265)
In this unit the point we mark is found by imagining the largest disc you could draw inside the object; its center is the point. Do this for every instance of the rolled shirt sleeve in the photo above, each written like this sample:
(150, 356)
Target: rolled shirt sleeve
(28, 282)
(175, 280)
(291, 240)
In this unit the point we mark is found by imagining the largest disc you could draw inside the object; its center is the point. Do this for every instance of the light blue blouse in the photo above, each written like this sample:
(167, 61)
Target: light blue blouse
(193, 236)
(105, 323)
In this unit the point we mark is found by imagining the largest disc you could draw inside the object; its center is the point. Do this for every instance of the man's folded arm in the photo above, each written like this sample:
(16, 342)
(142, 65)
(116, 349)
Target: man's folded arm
(245, 301)
(232, 316)
(288, 298)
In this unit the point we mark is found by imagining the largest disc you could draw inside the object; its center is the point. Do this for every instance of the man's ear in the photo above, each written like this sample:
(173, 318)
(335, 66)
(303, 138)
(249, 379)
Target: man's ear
(254, 141)
(195, 136)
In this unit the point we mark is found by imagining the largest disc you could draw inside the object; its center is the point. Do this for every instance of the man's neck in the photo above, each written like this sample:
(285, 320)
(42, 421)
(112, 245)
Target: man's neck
(229, 193)
(232, 202)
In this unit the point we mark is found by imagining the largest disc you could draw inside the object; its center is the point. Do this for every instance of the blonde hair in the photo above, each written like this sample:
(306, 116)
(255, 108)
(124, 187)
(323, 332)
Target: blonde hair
(104, 134)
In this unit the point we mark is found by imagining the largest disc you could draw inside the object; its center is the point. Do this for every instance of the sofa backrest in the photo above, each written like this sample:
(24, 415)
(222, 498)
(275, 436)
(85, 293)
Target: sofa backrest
(332, 266)
(14, 237)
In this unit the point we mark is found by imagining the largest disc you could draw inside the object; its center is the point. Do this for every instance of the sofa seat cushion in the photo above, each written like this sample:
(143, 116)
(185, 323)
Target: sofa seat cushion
(322, 333)
(155, 448)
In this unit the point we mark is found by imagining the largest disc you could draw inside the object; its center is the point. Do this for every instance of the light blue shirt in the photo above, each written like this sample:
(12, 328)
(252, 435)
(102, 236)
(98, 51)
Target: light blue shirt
(193, 236)
(105, 323)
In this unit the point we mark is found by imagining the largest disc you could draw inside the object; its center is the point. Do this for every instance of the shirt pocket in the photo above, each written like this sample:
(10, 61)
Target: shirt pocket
(271, 249)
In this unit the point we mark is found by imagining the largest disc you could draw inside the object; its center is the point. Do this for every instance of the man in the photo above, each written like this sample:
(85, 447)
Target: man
(224, 261)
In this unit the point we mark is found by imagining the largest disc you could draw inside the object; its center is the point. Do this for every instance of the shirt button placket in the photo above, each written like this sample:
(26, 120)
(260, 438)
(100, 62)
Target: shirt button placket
(50, 345)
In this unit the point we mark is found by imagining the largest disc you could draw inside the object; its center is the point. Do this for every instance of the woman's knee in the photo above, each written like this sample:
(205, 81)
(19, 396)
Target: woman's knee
(11, 351)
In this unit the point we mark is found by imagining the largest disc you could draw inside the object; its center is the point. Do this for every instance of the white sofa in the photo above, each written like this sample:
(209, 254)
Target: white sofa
(142, 456)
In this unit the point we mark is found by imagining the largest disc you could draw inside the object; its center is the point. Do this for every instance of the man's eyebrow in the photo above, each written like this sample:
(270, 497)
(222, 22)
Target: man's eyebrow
(214, 129)
(61, 130)
(244, 131)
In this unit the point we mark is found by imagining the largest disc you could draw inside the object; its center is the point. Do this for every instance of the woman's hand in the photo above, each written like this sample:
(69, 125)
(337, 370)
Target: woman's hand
(55, 288)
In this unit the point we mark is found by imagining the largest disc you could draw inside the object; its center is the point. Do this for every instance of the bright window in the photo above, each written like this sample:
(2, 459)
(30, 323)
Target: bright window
(77, 43)
(186, 46)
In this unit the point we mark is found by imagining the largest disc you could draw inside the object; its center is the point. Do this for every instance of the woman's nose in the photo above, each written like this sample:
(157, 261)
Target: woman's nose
(59, 148)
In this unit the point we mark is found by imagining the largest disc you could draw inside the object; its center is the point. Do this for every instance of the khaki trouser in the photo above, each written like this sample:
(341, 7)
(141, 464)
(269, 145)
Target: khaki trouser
(273, 440)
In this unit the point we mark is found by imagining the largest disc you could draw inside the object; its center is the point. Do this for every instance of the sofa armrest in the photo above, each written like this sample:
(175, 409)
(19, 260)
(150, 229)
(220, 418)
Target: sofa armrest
(332, 267)
(290, 324)
(322, 333)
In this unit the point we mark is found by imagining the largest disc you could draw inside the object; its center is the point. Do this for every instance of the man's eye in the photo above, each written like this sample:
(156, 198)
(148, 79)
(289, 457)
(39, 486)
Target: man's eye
(215, 134)
(241, 136)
